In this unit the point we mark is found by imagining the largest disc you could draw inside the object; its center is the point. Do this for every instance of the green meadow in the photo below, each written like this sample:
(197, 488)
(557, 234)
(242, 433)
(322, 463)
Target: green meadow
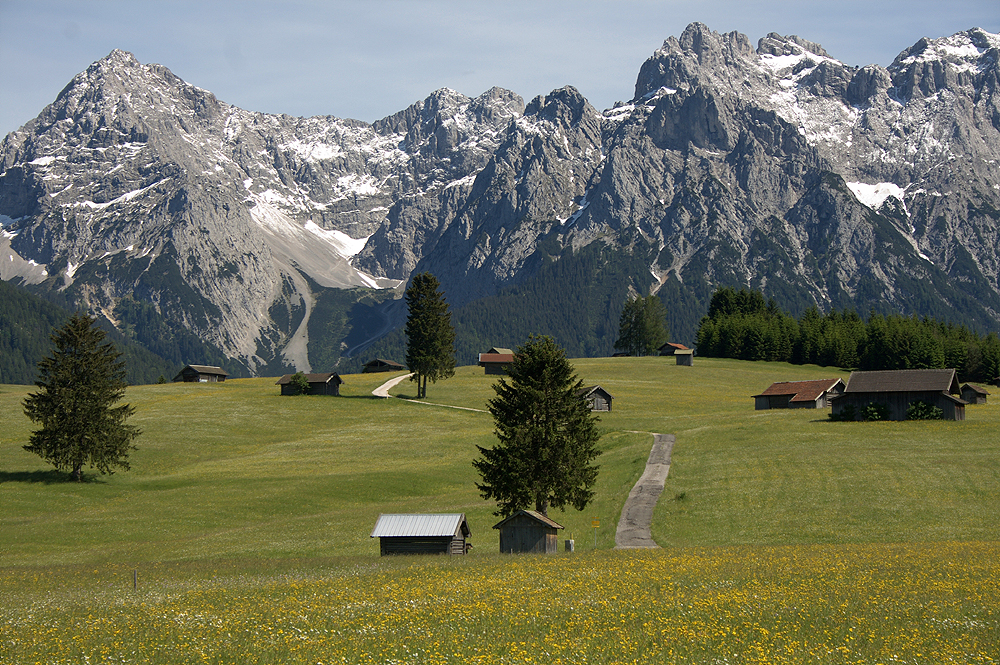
(235, 489)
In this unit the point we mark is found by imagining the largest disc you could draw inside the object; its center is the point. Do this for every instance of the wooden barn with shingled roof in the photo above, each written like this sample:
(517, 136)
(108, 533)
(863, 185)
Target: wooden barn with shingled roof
(798, 394)
(897, 389)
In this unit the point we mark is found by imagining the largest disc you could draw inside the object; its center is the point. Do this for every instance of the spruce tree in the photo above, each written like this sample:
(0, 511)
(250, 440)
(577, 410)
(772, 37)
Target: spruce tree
(430, 337)
(547, 435)
(642, 327)
(79, 384)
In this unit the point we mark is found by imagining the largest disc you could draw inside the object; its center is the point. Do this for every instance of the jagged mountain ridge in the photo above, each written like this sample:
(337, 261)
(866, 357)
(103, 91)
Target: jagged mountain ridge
(776, 167)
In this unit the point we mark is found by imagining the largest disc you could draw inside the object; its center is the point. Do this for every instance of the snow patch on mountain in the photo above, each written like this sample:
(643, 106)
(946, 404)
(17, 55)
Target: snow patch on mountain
(875, 195)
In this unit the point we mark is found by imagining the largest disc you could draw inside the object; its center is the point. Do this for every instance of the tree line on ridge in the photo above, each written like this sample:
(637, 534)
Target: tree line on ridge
(741, 324)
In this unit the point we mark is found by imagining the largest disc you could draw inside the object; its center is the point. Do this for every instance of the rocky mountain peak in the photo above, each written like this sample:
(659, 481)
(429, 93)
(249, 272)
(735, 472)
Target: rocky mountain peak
(775, 44)
(777, 167)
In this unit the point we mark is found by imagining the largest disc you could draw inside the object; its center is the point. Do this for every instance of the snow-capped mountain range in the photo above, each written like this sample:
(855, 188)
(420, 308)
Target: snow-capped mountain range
(776, 167)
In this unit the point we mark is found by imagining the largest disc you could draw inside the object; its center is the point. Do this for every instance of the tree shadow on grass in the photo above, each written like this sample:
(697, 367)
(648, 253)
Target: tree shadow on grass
(50, 477)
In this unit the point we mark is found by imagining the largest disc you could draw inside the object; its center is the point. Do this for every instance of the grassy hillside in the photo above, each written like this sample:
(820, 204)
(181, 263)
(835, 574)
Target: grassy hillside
(247, 515)
(234, 469)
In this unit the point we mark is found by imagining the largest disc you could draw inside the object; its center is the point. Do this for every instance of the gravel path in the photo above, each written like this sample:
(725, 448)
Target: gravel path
(383, 390)
(637, 514)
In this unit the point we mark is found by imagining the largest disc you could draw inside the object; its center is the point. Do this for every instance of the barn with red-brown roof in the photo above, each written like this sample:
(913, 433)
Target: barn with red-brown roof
(798, 394)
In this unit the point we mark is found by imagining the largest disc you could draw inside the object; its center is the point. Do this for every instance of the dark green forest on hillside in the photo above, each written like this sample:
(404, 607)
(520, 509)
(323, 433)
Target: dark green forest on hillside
(576, 299)
(743, 325)
(27, 320)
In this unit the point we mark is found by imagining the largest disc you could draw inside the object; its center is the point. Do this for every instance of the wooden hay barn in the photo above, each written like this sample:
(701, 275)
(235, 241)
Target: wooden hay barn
(798, 394)
(974, 394)
(528, 531)
(598, 398)
(201, 374)
(319, 384)
(496, 360)
(684, 357)
(898, 389)
(671, 348)
(422, 534)
(381, 365)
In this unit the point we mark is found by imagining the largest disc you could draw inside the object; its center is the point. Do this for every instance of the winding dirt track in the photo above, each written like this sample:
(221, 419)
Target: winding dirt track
(637, 513)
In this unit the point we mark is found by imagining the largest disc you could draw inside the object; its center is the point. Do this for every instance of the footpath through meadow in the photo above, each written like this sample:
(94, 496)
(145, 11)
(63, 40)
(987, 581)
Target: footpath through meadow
(633, 530)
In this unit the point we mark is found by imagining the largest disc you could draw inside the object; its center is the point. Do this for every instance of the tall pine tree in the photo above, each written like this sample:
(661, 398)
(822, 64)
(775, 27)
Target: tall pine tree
(79, 385)
(642, 327)
(430, 337)
(547, 435)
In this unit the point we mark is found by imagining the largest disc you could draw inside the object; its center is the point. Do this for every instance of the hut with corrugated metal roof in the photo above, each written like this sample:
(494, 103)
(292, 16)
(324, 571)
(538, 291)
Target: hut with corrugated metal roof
(422, 534)
(896, 390)
(684, 357)
(528, 531)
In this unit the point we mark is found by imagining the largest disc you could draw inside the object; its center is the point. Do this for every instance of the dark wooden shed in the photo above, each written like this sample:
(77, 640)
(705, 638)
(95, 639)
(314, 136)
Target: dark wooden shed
(528, 531)
(798, 394)
(684, 357)
(974, 394)
(381, 365)
(327, 383)
(496, 360)
(898, 389)
(422, 534)
(598, 398)
(671, 348)
(201, 374)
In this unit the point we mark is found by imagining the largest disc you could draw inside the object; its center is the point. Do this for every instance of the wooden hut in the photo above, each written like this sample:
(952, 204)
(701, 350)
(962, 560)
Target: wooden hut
(798, 394)
(201, 374)
(327, 383)
(598, 398)
(671, 348)
(381, 365)
(684, 357)
(422, 534)
(496, 360)
(528, 531)
(896, 390)
(974, 394)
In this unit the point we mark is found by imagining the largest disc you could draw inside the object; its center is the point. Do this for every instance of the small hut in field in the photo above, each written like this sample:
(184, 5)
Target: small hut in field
(814, 394)
(496, 360)
(381, 365)
(201, 374)
(597, 397)
(974, 394)
(327, 383)
(684, 357)
(528, 531)
(422, 534)
(671, 349)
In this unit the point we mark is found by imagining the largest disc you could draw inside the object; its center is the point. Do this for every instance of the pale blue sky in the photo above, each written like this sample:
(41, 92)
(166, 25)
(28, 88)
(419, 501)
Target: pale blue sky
(371, 58)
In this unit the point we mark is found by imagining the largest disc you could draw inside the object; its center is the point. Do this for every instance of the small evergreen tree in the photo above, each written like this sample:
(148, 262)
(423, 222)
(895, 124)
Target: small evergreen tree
(79, 384)
(430, 337)
(547, 435)
(642, 327)
(299, 384)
